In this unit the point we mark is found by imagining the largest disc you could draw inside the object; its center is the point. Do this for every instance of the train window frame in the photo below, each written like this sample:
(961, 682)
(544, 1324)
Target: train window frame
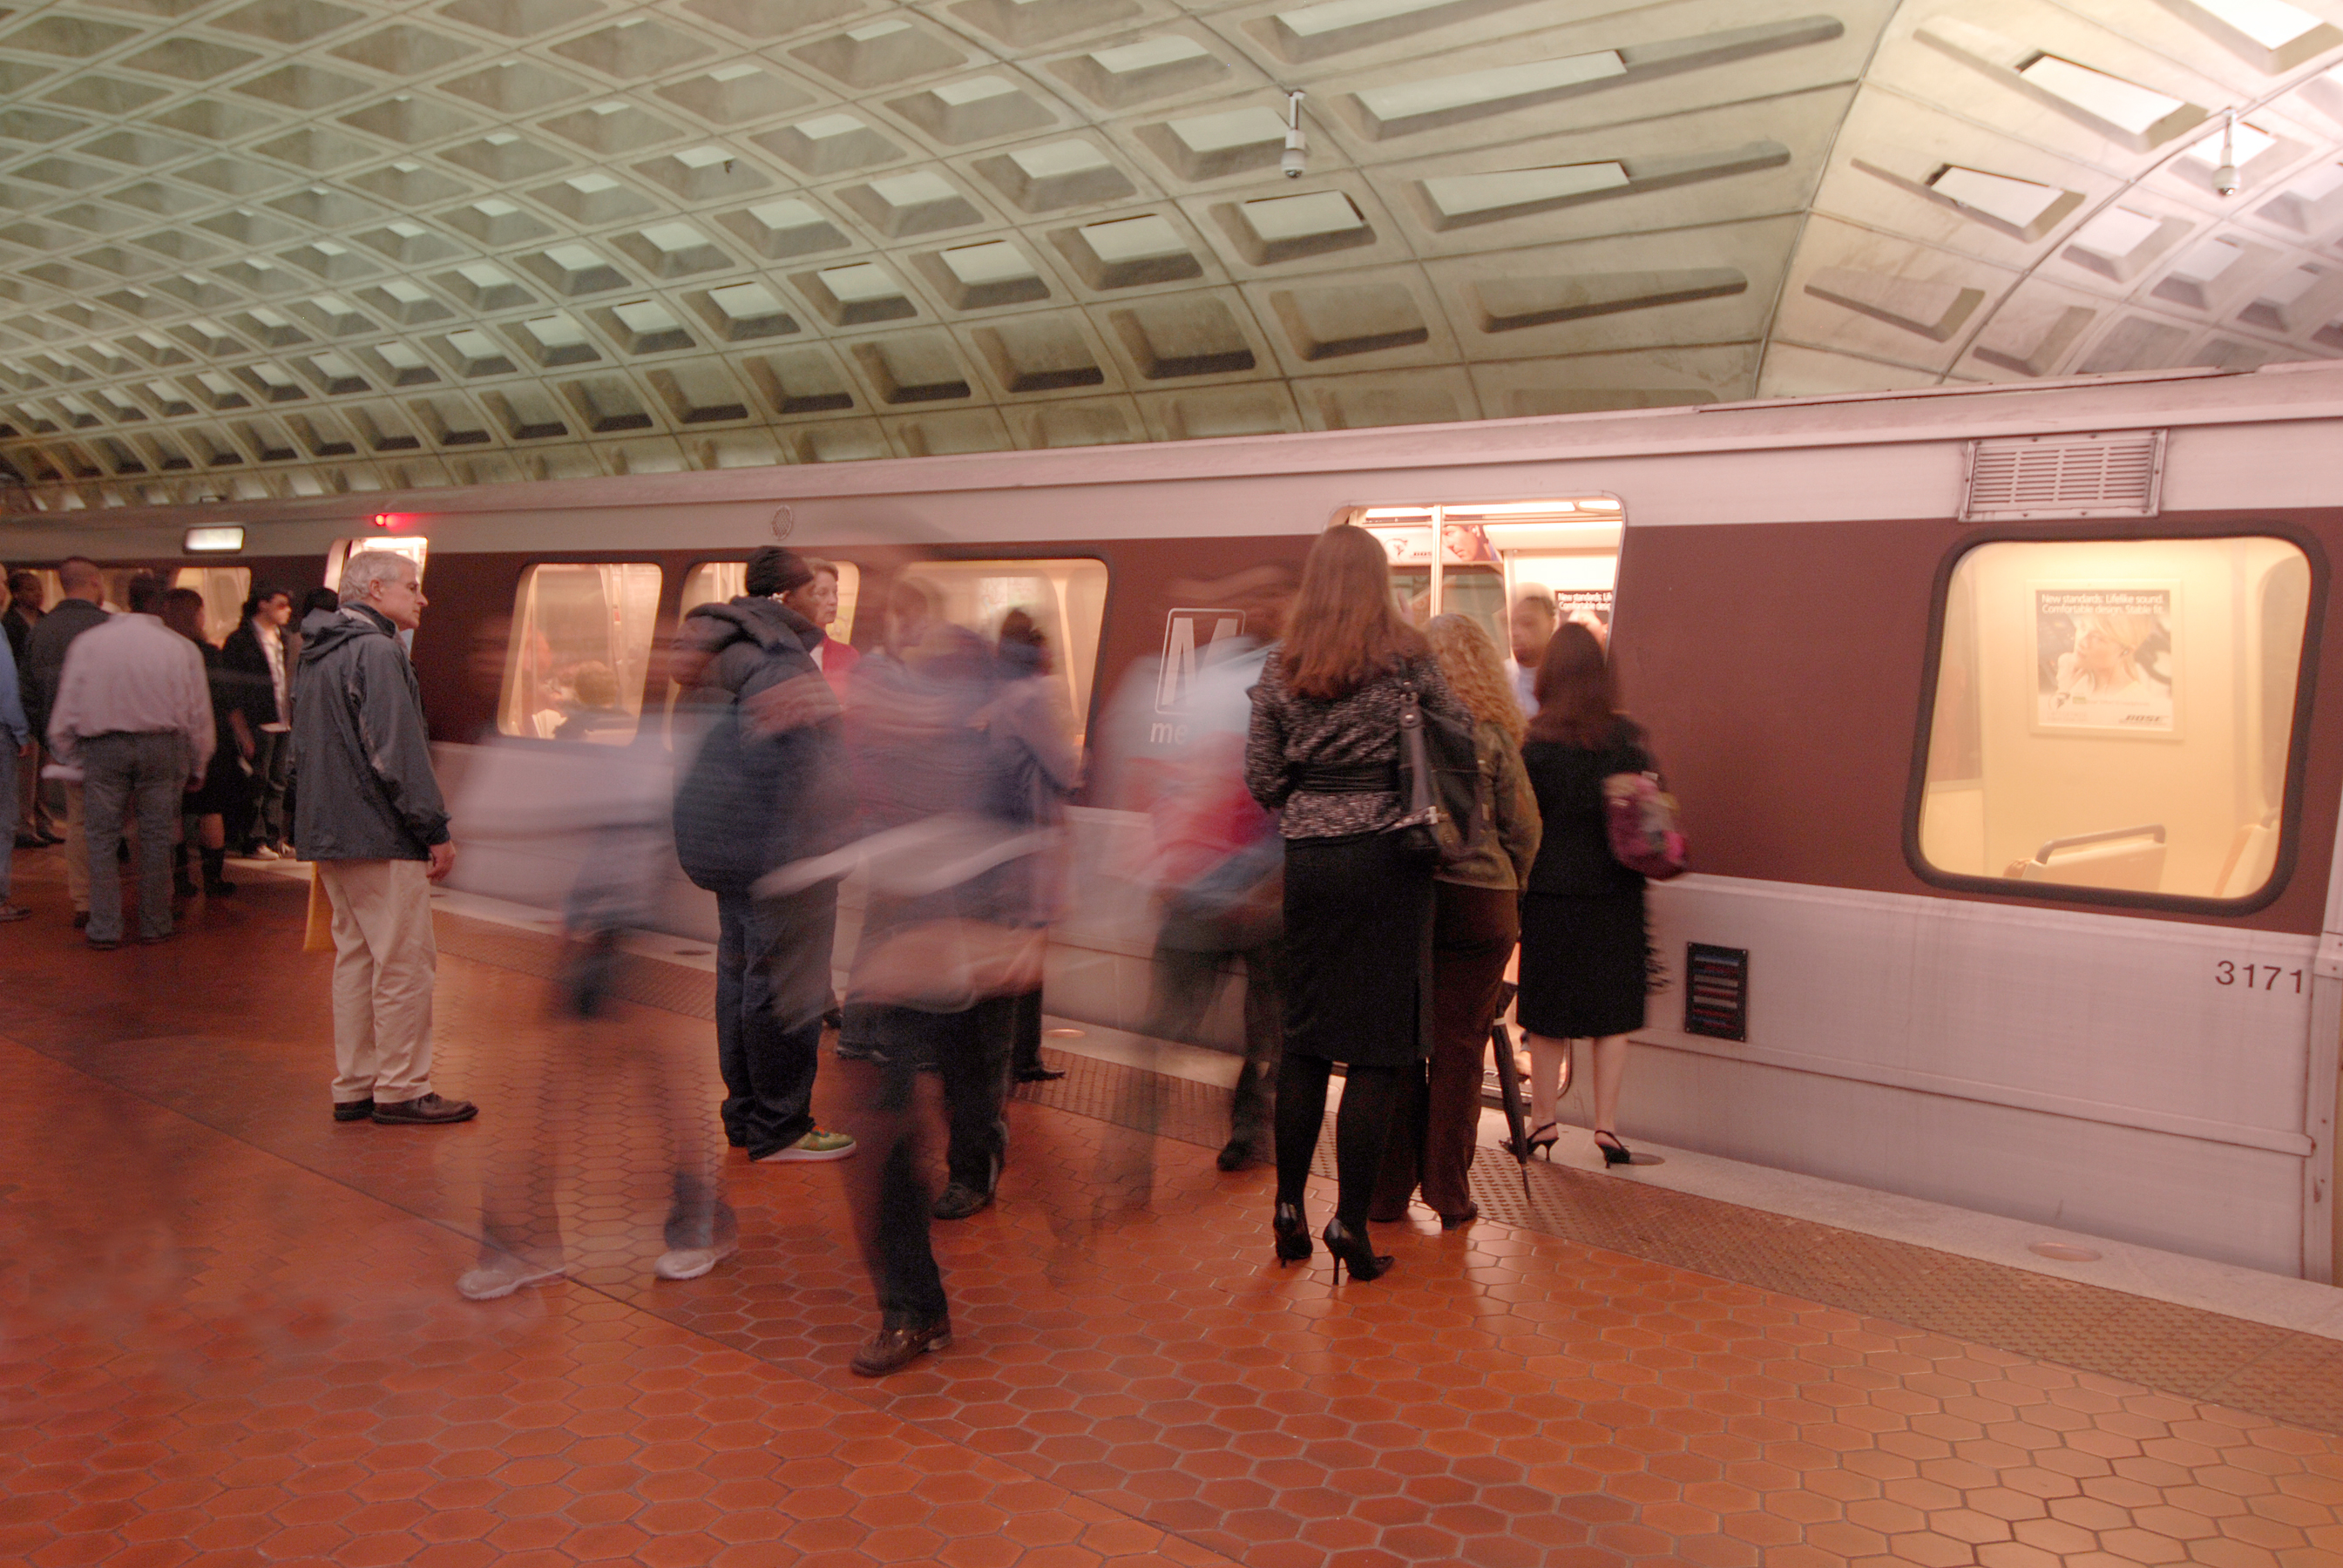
(2289, 817)
(509, 676)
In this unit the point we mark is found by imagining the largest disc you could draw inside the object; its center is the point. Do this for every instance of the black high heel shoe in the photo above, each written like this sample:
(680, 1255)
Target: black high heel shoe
(1613, 1151)
(1353, 1250)
(1551, 1132)
(1293, 1232)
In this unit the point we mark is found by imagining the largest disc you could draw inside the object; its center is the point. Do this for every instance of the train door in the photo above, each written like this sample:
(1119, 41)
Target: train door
(1477, 559)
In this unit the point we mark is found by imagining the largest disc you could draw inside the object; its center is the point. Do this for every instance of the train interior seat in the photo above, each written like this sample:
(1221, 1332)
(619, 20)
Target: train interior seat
(2131, 859)
(2252, 856)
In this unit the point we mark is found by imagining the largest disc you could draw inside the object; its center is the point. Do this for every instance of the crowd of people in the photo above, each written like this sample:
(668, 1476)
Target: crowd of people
(933, 769)
(178, 780)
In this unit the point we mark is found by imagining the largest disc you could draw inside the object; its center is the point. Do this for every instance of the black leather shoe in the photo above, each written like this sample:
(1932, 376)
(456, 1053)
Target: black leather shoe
(1040, 1074)
(353, 1110)
(959, 1201)
(892, 1350)
(425, 1110)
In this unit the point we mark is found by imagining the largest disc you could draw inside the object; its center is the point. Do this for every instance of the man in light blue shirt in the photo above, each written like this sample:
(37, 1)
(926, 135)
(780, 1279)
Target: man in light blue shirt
(15, 752)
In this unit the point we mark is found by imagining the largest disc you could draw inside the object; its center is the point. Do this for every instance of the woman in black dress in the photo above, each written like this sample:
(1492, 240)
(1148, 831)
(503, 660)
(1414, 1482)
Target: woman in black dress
(1582, 972)
(1324, 750)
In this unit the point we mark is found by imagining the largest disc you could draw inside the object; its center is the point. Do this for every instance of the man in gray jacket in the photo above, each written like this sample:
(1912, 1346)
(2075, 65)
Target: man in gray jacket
(371, 817)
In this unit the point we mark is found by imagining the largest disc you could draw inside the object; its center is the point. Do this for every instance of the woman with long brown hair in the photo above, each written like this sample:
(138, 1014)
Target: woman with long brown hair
(1324, 751)
(1475, 920)
(1583, 971)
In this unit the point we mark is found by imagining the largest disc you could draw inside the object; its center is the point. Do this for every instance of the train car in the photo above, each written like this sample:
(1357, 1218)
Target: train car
(1992, 711)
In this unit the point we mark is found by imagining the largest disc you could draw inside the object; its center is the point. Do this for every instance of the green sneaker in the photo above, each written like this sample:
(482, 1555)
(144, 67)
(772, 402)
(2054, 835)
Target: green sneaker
(814, 1146)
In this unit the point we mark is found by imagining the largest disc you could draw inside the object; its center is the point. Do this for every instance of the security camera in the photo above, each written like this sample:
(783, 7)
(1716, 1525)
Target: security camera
(1297, 146)
(2225, 181)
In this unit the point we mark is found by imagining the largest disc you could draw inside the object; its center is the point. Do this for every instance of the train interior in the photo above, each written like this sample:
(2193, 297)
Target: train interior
(2116, 713)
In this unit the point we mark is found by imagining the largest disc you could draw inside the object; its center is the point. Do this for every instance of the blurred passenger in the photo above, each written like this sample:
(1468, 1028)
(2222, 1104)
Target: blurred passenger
(1219, 869)
(1475, 921)
(817, 600)
(261, 652)
(34, 826)
(79, 607)
(222, 799)
(1529, 628)
(1324, 751)
(595, 1064)
(18, 752)
(947, 945)
(767, 786)
(1028, 719)
(133, 713)
(1582, 935)
(372, 818)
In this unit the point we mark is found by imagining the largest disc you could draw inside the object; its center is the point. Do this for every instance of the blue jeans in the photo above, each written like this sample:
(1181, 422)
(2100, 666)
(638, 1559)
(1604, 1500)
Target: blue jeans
(773, 986)
(147, 770)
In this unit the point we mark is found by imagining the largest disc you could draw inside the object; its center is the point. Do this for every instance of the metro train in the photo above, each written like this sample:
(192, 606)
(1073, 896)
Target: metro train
(1992, 711)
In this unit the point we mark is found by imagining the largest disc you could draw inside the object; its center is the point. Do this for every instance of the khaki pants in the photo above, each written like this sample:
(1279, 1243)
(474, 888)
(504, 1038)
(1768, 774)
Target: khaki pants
(385, 963)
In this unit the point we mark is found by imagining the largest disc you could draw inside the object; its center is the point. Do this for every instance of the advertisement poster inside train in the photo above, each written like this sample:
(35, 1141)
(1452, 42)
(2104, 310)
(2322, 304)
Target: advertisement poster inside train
(2106, 659)
(1589, 607)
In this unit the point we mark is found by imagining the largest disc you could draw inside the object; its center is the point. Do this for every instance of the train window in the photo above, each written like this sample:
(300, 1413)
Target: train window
(715, 582)
(2116, 714)
(581, 644)
(414, 549)
(223, 590)
(1066, 599)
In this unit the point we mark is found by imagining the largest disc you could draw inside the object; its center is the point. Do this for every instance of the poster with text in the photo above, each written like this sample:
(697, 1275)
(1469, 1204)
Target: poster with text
(2105, 658)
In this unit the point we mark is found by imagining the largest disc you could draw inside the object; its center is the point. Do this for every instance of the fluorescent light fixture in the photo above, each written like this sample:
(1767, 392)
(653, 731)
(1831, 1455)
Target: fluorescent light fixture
(225, 540)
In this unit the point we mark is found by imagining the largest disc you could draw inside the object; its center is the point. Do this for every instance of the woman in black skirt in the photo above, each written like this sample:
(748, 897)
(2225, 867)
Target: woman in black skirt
(1324, 750)
(1582, 974)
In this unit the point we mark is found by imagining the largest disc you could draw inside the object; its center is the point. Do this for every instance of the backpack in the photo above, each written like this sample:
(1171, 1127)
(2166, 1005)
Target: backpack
(1444, 794)
(749, 804)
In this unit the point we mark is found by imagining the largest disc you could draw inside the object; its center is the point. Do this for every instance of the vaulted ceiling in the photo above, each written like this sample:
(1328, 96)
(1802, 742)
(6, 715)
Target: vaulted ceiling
(257, 248)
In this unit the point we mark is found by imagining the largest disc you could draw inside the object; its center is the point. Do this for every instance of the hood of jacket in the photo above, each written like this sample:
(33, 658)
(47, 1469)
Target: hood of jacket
(327, 629)
(767, 622)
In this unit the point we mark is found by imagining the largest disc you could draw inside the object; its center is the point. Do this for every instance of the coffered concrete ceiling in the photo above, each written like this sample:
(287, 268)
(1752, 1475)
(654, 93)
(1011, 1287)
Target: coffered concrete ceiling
(315, 247)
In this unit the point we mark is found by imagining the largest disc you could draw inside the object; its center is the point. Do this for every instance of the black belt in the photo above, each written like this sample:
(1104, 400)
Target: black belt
(1369, 778)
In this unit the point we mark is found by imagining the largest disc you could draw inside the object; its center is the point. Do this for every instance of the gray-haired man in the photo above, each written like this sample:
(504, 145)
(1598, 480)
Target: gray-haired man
(370, 815)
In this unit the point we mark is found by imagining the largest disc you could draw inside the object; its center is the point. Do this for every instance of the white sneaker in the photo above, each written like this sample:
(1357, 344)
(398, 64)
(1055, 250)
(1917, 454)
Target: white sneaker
(494, 1280)
(263, 852)
(691, 1263)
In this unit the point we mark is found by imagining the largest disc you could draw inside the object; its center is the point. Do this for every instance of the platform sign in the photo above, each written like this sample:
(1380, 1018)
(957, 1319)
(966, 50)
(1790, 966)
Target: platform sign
(1716, 992)
(1186, 634)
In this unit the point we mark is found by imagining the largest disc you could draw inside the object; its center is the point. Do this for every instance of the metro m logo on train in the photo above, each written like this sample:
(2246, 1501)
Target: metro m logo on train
(1186, 634)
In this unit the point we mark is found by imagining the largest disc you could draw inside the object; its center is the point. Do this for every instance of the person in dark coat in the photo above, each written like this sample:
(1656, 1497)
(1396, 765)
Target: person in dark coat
(25, 597)
(1584, 972)
(372, 818)
(765, 787)
(79, 608)
(1324, 751)
(261, 652)
(216, 808)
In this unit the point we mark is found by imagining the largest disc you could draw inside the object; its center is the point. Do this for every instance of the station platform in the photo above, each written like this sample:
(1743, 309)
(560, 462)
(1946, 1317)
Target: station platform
(228, 1330)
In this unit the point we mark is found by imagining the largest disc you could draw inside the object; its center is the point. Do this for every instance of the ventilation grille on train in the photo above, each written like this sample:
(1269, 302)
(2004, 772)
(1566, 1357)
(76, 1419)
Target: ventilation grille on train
(2098, 475)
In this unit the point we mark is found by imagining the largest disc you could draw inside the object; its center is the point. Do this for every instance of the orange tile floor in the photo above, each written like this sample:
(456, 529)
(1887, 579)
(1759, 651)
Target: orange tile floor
(228, 1335)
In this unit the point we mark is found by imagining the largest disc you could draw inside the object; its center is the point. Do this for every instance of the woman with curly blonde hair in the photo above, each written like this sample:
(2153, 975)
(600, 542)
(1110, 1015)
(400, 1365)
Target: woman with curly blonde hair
(1475, 921)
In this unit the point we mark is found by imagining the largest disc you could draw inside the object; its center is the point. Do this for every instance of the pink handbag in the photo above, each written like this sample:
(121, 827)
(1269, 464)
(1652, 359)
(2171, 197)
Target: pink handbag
(1641, 817)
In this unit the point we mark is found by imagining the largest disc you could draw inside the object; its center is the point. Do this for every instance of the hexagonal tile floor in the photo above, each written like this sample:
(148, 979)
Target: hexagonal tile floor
(228, 1334)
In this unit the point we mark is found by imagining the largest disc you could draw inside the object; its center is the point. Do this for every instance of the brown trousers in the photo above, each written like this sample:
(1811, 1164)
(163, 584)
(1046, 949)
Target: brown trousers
(1474, 930)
